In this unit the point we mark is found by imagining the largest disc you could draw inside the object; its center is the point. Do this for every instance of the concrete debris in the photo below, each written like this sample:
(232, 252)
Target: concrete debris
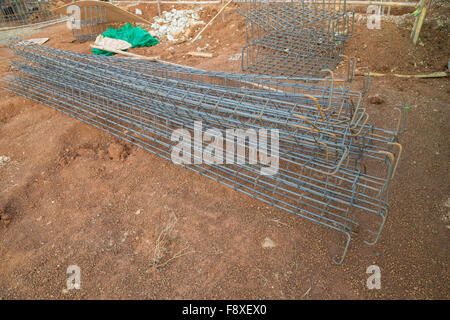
(400, 20)
(235, 57)
(200, 49)
(268, 243)
(176, 24)
(376, 99)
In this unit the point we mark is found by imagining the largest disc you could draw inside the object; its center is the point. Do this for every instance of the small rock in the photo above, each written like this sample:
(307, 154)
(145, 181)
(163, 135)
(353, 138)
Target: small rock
(177, 34)
(447, 203)
(115, 151)
(439, 24)
(235, 57)
(138, 212)
(3, 160)
(268, 243)
(376, 99)
(6, 219)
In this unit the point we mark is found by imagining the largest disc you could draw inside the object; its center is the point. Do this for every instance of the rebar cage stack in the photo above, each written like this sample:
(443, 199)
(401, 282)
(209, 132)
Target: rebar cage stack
(22, 12)
(334, 167)
(294, 37)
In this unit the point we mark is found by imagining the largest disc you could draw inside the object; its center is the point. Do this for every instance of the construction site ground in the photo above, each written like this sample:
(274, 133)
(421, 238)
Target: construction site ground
(73, 195)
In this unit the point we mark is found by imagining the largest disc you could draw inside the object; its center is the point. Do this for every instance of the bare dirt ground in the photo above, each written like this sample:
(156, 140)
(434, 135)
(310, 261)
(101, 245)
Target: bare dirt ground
(73, 195)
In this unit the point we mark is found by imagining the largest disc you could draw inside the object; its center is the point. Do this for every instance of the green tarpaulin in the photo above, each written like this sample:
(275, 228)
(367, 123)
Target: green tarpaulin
(136, 36)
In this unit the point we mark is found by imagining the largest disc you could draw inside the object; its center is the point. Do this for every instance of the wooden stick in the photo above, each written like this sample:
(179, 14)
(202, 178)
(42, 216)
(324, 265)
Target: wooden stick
(428, 75)
(137, 56)
(416, 21)
(379, 3)
(420, 20)
(128, 54)
(200, 54)
(207, 25)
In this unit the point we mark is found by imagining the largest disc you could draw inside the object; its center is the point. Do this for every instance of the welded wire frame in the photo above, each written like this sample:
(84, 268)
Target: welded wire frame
(144, 108)
(294, 38)
(93, 21)
(284, 53)
(328, 5)
(22, 12)
(278, 119)
(291, 15)
(313, 116)
(333, 89)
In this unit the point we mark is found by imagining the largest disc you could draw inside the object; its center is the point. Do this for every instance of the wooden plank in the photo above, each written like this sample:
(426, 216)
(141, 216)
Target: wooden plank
(418, 27)
(200, 54)
(38, 40)
(125, 53)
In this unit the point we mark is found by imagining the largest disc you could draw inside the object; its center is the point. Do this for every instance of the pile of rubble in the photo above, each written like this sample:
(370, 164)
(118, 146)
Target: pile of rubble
(175, 25)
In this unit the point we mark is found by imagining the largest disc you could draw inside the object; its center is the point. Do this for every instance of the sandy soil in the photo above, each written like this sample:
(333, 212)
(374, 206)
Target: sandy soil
(73, 195)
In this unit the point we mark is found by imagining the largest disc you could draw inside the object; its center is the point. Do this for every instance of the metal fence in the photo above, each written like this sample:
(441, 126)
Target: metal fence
(22, 12)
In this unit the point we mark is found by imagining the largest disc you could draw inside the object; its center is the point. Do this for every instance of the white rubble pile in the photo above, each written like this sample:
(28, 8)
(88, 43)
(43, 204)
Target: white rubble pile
(175, 25)
(401, 20)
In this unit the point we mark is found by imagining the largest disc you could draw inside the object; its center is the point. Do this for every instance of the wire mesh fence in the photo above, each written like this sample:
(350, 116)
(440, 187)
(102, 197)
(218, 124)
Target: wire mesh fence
(23, 12)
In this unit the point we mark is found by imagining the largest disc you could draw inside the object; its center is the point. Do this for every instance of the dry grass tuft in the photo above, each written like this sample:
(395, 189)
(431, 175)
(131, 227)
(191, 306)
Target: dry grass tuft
(161, 254)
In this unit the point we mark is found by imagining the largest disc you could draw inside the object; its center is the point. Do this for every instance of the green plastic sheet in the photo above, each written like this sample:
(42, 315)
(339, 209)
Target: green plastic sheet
(136, 36)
